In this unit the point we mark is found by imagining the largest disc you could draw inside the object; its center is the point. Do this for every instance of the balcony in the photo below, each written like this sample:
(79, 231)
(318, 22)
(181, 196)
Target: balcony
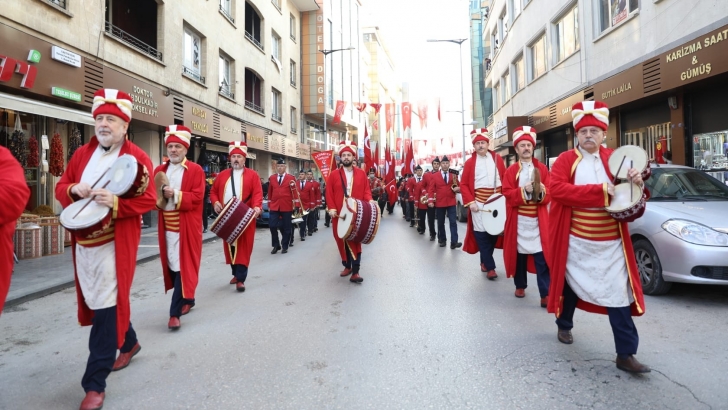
(227, 14)
(132, 41)
(253, 106)
(59, 3)
(193, 74)
(254, 41)
(276, 117)
(227, 92)
(293, 83)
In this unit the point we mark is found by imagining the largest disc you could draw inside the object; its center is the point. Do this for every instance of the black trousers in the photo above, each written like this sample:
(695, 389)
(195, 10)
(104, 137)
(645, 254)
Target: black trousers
(626, 339)
(312, 220)
(327, 219)
(102, 349)
(486, 245)
(431, 217)
(390, 209)
(403, 203)
(411, 212)
(303, 226)
(206, 209)
(450, 212)
(543, 279)
(422, 215)
(175, 308)
(239, 271)
(280, 221)
(351, 263)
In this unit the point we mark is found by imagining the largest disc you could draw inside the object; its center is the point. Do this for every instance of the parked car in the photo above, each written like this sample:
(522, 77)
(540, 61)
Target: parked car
(264, 217)
(683, 234)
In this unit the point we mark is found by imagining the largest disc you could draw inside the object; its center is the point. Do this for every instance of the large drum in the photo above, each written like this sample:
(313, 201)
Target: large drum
(91, 222)
(359, 221)
(627, 202)
(127, 178)
(628, 156)
(495, 214)
(233, 220)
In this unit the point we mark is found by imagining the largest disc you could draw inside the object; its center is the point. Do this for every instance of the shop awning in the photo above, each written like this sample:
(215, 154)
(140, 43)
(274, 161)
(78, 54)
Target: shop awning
(22, 104)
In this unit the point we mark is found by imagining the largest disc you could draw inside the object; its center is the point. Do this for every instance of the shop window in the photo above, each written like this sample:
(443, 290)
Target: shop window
(226, 81)
(275, 105)
(253, 26)
(315, 136)
(611, 13)
(293, 27)
(226, 8)
(566, 35)
(519, 74)
(538, 58)
(253, 92)
(294, 120)
(294, 73)
(648, 138)
(193, 49)
(134, 22)
(710, 152)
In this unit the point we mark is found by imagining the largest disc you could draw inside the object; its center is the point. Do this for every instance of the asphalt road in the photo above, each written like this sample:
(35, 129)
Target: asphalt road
(424, 330)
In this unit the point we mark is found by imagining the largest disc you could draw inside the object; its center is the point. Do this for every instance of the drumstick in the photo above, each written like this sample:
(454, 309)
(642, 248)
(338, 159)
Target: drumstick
(616, 176)
(631, 192)
(90, 200)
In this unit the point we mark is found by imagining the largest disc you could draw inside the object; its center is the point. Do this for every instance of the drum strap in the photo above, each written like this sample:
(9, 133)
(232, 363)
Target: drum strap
(343, 184)
(232, 185)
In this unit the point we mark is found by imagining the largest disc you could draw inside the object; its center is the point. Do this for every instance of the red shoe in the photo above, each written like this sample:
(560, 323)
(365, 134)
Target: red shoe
(234, 280)
(520, 293)
(93, 401)
(544, 302)
(124, 358)
(240, 287)
(356, 278)
(345, 272)
(482, 268)
(491, 275)
(186, 309)
(174, 323)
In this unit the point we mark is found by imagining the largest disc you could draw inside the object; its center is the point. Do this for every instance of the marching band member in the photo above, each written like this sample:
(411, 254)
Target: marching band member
(482, 177)
(592, 261)
(419, 192)
(104, 266)
(411, 194)
(431, 211)
(526, 230)
(282, 199)
(348, 181)
(243, 183)
(308, 194)
(315, 203)
(375, 185)
(442, 196)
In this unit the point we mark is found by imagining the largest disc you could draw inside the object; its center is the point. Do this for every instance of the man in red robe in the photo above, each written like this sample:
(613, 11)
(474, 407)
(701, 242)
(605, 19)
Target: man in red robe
(315, 203)
(180, 226)
(592, 261)
(15, 194)
(525, 242)
(283, 197)
(482, 177)
(244, 184)
(431, 211)
(104, 261)
(442, 196)
(347, 181)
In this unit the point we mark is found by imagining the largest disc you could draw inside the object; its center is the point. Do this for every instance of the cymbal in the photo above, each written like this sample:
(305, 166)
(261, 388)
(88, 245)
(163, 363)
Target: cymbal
(160, 181)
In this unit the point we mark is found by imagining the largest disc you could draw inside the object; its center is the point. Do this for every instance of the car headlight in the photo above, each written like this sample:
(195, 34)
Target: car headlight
(694, 232)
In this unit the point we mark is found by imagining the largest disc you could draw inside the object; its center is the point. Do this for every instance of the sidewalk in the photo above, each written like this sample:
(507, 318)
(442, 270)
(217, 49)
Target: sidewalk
(35, 278)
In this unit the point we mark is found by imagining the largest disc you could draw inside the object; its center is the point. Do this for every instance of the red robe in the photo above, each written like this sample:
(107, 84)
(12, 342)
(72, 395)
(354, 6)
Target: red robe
(190, 229)
(280, 197)
(515, 197)
(564, 196)
(467, 189)
(252, 193)
(126, 214)
(14, 193)
(335, 200)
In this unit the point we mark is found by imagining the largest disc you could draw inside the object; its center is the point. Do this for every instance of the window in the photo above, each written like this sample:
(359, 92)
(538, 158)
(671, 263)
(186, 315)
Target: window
(496, 100)
(135, 24)
(225, 81)
(567, 35)
(275, 105)
(519, 73)
(276, 3)
(538, 57)
(293, 27)
(294, 74)
(613, 12)
(506, 87)
(193, 56)
(294, 120)
(276, 45)
(516, 7)
(495, 42)
(253, 92)
(503, 22)
(59, 3)
(226, 8)
(253, 26)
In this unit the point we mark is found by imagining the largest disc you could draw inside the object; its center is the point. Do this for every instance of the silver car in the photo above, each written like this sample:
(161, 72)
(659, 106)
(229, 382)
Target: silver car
(683, 234)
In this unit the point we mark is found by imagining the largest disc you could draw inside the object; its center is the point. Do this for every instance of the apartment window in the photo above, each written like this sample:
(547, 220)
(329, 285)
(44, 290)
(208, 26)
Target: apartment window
(226, 8)
(516, 7)
(538, 57)
(506, 87)
(253, 92)
(519, 74)
(275, 105)
(294, 120)
(59, 3)
(276, 3)
(567, 35)
(193, 55)
(495, 41)
(253, 26)
(135, 24)
(294, 74)
(276, 45)
(496, 99)
(225, 76)
(613, 12)
(293, 27)
(504, 22)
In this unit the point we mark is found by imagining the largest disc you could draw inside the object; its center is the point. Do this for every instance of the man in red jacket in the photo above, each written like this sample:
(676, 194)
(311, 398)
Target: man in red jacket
(283, 197)
(105, 261)
(315, 203)
(442, 196)
(526, 231)
(308, 202)
(243, 183)
(180, 227)
(347, 181)
(431, 211)
(421, 208)
(15, 194)
(411, 208)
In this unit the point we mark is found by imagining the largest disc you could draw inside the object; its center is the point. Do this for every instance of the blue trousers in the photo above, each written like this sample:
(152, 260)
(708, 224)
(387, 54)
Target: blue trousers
(303, 226)
(351, 263)
(175, 308)
(239, 271)
(486, 245)
(451, 216)
(312, 220)
(543, 278)
(625, 334)
(280, 221)
(102, 349)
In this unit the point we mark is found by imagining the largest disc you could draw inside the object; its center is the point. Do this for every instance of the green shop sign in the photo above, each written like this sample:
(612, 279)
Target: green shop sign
(63, 93)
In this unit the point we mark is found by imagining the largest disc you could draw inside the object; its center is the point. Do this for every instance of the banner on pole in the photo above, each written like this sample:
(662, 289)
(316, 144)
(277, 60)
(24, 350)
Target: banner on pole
(324, 161)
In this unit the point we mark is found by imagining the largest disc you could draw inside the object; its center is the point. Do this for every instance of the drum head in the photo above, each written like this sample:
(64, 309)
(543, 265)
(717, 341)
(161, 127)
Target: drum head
(628, 153)
(122, 174)
(91, 215)
(346, 222)
(622, 200)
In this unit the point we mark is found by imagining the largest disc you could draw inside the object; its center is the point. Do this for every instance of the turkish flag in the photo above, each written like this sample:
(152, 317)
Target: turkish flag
(375, 125)
(360, 106)
(408, 166)
(367, 150)
(340, 107)
(389, 165)
(389, 116)
(406, 115)
(376, 107)
(422, 108)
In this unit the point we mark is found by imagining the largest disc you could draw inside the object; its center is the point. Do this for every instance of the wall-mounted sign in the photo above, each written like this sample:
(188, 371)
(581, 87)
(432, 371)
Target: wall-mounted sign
(34, 56)
(500, 129)
(148, 101)
(67, 94)
(275, 144)
(621, 88)
(199, 120)
(563, 108)
(65, 56)
(304, 151)
(289, 147)
(230, 129)
(701, 58)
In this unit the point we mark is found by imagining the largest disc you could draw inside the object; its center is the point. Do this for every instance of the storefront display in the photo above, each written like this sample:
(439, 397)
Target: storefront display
(710, 151)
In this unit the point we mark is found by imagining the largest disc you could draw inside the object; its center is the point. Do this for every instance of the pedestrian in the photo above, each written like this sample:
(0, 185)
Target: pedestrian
(207, 205)
(348, 181)
(420, 206)
(431, 211)
(441, 196)
(411, 194)
(15, 193)
(104, 262)
(315, 203)
(244, 184)
(525, 242)
(264, 185)
(482, 177)
(180, 230)
(282, 199)
(403, 196)
(592, 261)
(375, 185)
(307, 193)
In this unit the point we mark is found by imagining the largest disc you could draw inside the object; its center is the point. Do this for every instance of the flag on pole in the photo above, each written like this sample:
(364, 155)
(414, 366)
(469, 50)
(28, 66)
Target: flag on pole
(340, 107)
(389, 115)
(408, 166)
(375, 125)
(438, 110)
(369, 163)
(389, 177)
(406, 115)
(376, 107)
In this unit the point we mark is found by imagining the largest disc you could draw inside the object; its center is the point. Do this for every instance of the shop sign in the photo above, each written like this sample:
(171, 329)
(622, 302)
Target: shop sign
(199, 121)
(65, 56)
(289, 147)
(563, 108)
(149, 102)
(500, 129)
(304, 151)
(230, 129)
(621, 88)
(275, 144)
(255, 137)
(540, 120)
(701, 58)
(63, 93)
(34, 56)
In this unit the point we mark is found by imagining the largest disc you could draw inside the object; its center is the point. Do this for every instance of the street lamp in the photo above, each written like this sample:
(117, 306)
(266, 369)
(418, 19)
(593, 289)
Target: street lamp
(326, 97)
(459, 42)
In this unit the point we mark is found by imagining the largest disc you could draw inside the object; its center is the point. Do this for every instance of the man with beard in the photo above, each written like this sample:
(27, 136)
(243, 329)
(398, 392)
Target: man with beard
(315, 203)
(442, 196)
(308, 202)
(243, 183)
(525, 241)
(348, 181)
(105, 261)
(179, 232)
(431, 212)
(282, 199)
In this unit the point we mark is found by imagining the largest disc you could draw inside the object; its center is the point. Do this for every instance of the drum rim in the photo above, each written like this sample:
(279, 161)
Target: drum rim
(376, 227)
(72, 208)
(351, 224)
(492, 199)
(628, 148)
(639, 199)
(131, 184)
(214, 226)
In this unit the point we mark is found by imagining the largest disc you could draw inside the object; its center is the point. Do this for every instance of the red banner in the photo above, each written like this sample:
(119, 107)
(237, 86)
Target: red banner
(406, 115)
(340, 107)
(389, 174)
(376, 107)
(389, 116)
(324, 161)
(360, 106)
(368, 160)
(375, 125)
(422, 109)
(438, 110)
(408, 165)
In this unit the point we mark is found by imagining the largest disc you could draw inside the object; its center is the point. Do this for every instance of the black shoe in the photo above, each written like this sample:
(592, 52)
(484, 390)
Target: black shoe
(326, 225)
(303, 239)
(455, 245)
(311, 233)
(421, 232)
(432, 239)
(285, 250)
(442, 244)
(290, 244)
(204, 230)
(275, 250)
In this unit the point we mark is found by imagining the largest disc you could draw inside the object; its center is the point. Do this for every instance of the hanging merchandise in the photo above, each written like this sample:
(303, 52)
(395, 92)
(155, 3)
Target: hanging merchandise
(32, 152)
(74, 141)
(56, 168)
(15, 145)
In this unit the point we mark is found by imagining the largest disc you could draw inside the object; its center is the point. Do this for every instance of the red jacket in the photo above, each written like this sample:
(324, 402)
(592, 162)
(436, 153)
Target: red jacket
(280, 197)
(420, 191)
(189, 206)
(317, 192)
(410, 187)
(467, 189)
(440, 192)
(308, 194)
(335, 200)
(14, 193)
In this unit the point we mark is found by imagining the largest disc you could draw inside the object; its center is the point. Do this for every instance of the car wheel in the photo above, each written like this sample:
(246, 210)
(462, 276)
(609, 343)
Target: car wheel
(650, 269)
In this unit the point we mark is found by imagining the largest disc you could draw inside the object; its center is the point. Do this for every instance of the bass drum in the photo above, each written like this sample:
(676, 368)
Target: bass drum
(358, 221)
(233, 220)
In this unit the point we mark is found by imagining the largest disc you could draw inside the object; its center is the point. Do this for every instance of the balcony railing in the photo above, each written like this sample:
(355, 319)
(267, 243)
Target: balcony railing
(293, 82)
(227, 92)
(276, 117)
(59, 3)
(132, 41)
(194, 74)
(294, 131)
(254, 41)
(227, 14)
(253, 106)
